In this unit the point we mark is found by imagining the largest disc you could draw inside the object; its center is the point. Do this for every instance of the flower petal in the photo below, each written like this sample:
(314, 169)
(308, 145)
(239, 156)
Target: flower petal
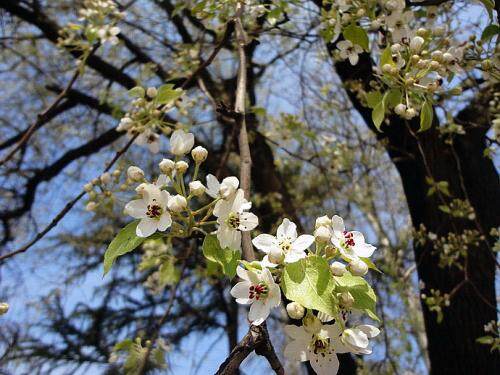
(248, 221)
(287, 231)
(136, 208)
(259, 312)
(165, 222)
(212, 186)
(240, 292)
(338, 224)
(303, 242)
(265, 242)
(296, 350)
(327, 365)
(146, 227)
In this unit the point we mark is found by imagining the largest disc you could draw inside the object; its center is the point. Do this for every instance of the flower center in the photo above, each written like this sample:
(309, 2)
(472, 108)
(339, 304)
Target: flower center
(349, 238)
(233, 220)
(321, 346)
(258, 291)
(285, 246)
(154, 211)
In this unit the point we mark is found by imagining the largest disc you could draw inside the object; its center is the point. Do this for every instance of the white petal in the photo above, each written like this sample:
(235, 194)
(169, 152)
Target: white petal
(303, 242)
(338, 224)
(353, 58)
(146, 227)
(364, 250)
(238, 201)
(165, 222)
(229, 238)
(136, 208)
(265, 242)
(327, 365)
(259, 312)
(265, 262)
(242, 273)
(240, 292)
(162, 181)
(212, 186)
(369, 330)
(296, 351)
(154, 147)
(248, 221)
(287, 231)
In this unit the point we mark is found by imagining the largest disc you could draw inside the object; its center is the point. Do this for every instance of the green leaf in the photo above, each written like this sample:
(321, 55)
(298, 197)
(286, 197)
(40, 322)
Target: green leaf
(486, 340)
(386, 57)
(125, 241)
(378, 114)
(169, 274)
(137, 92)
(489, 32)
(310, 283)
(370, 264)
(392, 98)
(373, 98)
(357, 35)
(167, 94)
(228, 259)
(426, 115)
(364, 296)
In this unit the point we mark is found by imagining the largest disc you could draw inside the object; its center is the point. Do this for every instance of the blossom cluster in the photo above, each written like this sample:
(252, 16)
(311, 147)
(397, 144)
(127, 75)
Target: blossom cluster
(99, 20)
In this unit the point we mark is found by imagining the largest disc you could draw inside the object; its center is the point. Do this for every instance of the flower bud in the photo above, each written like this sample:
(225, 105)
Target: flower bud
(346, 300)
(322, 234)
(338, 269)
(416, 43)
(437, 56)
(167, 166)
(199, 154)
(177, 203)
(295, 310)
(91, 206)
(125, 124)
(181, 166)
(88, 187)
(323, 221)
(135, 173)
(448, 57)
(358, 268)
(395, 48)
(196, 188)
(422, 32)
(387, 68)
(400, 109)
(116, 173)
(141, 188)
(4, 307)
(410, 113)
(105, 178)
(151, 92)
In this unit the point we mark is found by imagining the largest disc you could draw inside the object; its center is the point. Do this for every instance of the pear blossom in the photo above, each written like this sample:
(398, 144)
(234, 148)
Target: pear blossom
(135, 173)
(233, 220)
(350, 51)
(319, 345)
(286, 245)
(177, 203)
(151, 209)
(181, 142)
(150, 139)
(351, 245)
(224, 189)
(398, 22)
(258, 289)
(357, 339)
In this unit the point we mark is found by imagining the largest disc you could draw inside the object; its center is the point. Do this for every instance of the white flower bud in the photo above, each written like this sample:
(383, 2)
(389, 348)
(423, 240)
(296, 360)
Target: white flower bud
(199, 154)
(91, 206)
(125, 124)
(181, 142)
(151, 92)
(141, 188)
(323, 221)
(358, 268)
(177, 203)
(400, 109)
(181, 166)
(338, 269)
(295, 310)
(346, 300)
(322, 234)
(437, 56)
(167, 166)
(88, 187)
(387, 68)
(395, 48)
(135, 173)
(196, 188)
(416, 43)
(105, 178)
(410, 113)
(448, 57)
(4, 307)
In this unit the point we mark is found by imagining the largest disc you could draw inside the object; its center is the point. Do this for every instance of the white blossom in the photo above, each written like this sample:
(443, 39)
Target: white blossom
(225, 189)
(150, 139)
(181, 142)
(151, 209)
(349, 51)
(233, 220)
(258, 289)
(351, 244)
(357, 339)
(286, 245)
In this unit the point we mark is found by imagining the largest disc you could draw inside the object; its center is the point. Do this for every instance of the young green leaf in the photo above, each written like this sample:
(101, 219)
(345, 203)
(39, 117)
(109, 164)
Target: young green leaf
(426, 116)
(364, 296)
(167, 94)
(125, 241)
(357, 35)
(489, 32)
(137, 92)
(310, 283)
(228, 259)
(378, 114)
(386, 57)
